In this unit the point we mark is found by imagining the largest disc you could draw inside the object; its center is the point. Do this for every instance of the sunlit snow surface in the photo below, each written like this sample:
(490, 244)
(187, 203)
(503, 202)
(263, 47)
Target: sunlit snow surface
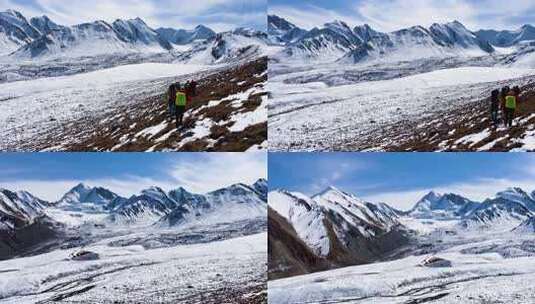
(488, 266)
(325, 106)
(133, 274)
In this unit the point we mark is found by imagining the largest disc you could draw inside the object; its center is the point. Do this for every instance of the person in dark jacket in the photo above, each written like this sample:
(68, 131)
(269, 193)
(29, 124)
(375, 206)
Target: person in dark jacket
(171, 96)
(503, 94)
(193, 88)
(494, 106)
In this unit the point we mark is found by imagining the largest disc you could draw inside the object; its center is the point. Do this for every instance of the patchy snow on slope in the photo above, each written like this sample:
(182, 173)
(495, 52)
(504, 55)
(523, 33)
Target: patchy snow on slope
(51, 101)
(308, 115)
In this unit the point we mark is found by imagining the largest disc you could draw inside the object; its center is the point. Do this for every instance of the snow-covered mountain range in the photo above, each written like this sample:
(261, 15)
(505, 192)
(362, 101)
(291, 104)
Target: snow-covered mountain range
(336, 41)
(508, 208)
(335, 228)
(23, 215)
(41, 38)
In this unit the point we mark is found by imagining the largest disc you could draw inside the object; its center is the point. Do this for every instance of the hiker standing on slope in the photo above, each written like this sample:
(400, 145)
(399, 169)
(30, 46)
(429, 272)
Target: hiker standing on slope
(171, 95)
(180, 103)
(193, 85)
(494, 106)
(503, 94)
(510, 108)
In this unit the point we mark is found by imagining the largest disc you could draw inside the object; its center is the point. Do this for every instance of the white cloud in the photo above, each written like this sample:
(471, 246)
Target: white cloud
(202, 173)
(332, 171)
(218, 170)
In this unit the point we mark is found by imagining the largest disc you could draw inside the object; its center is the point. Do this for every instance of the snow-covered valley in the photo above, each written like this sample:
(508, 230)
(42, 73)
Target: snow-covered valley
(486, 268)
(340, 89)
(452, 250)
(94, 246)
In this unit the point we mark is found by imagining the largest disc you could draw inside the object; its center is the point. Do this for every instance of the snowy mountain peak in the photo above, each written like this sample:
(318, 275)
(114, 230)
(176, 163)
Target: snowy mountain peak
(14, 13)
(44, 24)
(445, 206)
(84, 194)
(337, 24)
(331, 192)
(513, 193)
(183, 37)
(153, 190)
(81, 188)
(432, 196)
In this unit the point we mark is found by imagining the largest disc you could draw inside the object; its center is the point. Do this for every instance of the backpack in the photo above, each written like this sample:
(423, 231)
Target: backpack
(180, 100)
(510, 102)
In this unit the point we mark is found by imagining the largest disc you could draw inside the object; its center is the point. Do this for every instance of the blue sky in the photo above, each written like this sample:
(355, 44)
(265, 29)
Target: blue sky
(50, 175)
(220, 15)
(401, 179)
(389, 15)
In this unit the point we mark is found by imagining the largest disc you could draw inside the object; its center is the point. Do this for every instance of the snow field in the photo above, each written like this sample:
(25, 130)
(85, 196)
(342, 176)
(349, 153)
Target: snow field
(166, 271)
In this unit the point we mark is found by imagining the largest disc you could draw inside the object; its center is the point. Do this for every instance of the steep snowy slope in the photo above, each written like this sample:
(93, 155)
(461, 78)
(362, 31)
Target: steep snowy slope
(23, 222)
(337, 227)
(20, 207)
(233, 46)
(282, 31)
(305, 216)
(15, 31)
(288, 255)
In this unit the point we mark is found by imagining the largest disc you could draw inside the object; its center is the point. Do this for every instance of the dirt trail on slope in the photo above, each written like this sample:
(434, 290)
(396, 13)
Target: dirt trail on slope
(143, 123)
(467, 128)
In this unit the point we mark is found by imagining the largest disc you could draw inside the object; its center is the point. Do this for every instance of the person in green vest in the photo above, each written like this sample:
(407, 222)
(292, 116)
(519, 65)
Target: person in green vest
(510, 108)
(180, 105)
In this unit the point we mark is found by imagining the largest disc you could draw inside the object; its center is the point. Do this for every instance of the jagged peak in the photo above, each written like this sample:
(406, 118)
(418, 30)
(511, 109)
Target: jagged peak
(332, 190)
(153, 189)
(81, 186)
(261, 180)
(337, 23)
(14, 13)
(432, 196)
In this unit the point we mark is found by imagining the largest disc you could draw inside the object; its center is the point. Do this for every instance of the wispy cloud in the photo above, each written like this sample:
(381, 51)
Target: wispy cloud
(327, 172)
